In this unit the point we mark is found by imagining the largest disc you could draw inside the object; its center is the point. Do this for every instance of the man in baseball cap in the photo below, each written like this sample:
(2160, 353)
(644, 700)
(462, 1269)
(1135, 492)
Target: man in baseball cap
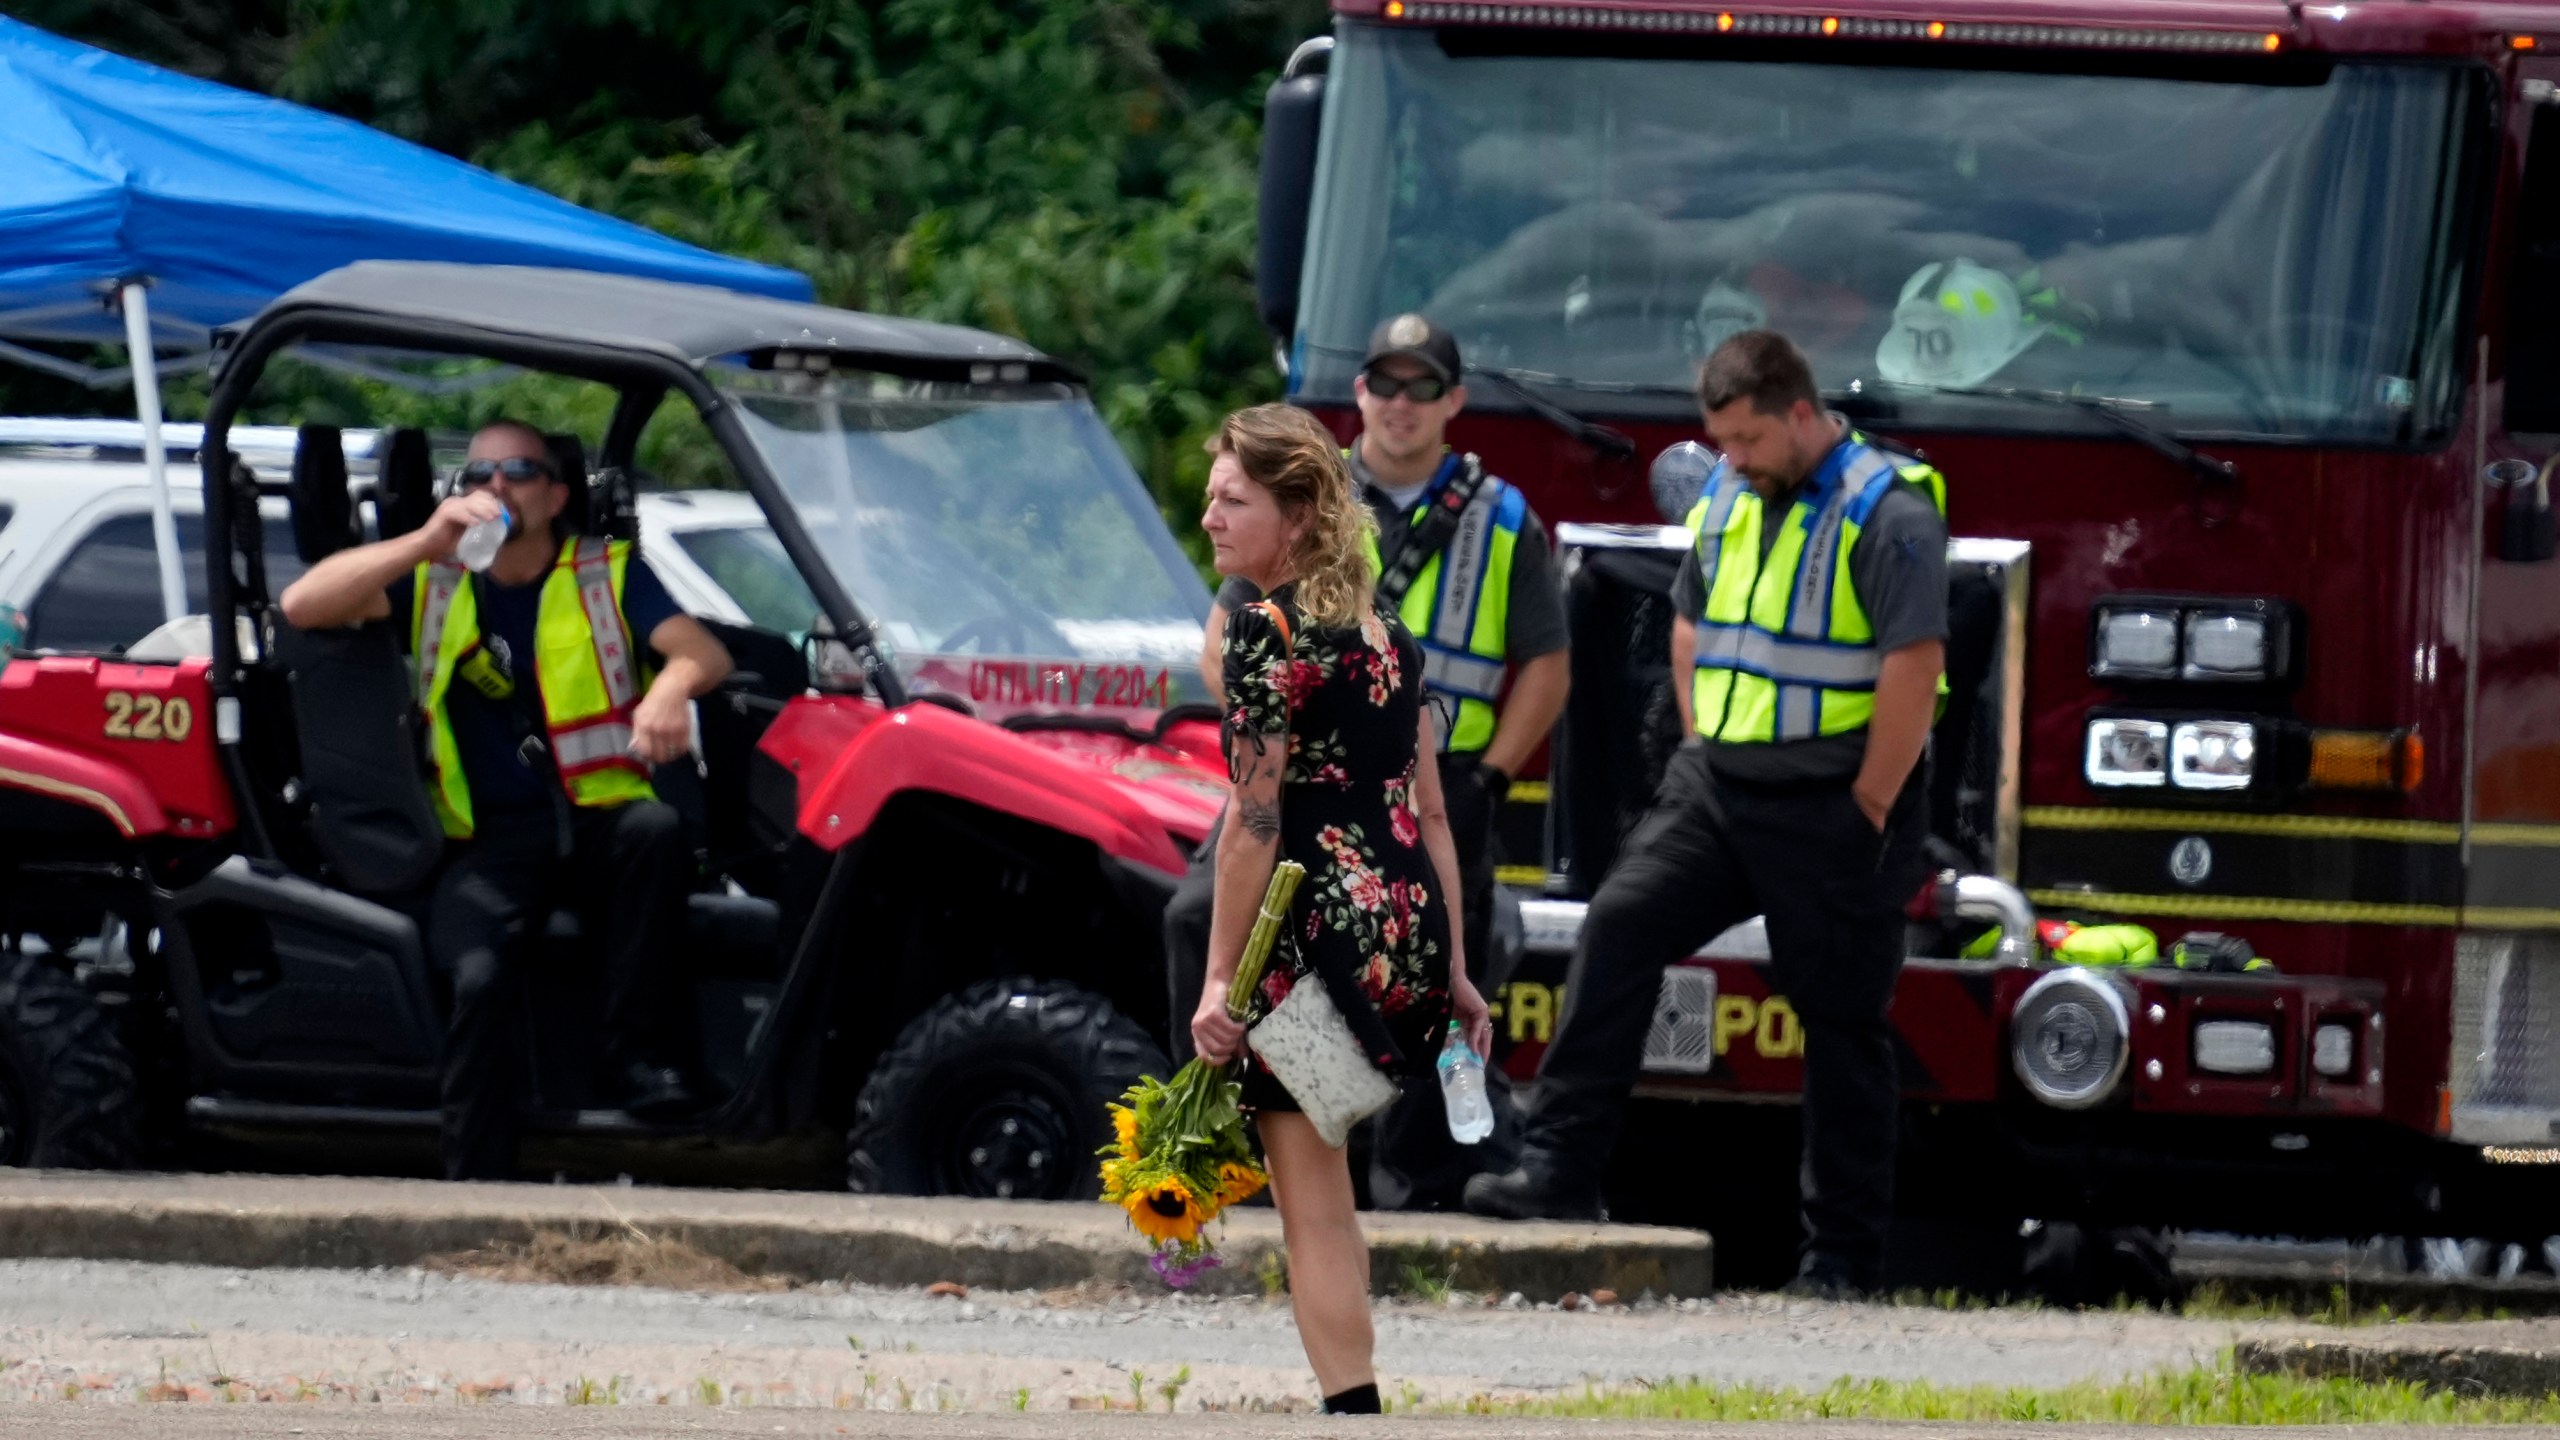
(1415, 338)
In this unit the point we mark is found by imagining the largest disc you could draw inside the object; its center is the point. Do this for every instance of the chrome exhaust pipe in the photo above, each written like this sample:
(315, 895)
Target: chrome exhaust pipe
(1987, 897)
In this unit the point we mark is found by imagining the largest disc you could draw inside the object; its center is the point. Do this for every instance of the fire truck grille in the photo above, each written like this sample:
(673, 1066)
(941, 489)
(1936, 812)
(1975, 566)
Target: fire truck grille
(2506, 1039)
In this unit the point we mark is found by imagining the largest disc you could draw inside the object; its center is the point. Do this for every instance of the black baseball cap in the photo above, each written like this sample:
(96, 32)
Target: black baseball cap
(1416, 336)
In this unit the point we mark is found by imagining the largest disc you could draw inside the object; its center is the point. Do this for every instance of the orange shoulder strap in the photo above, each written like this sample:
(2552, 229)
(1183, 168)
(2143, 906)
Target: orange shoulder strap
(1279, 618)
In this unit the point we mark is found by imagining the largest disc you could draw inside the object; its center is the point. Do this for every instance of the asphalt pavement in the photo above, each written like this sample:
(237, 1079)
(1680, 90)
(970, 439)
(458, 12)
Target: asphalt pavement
(109, 1331)
(498, 1422)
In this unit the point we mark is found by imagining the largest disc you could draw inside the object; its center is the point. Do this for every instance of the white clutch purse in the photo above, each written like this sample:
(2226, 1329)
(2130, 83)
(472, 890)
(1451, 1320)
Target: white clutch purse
(1310, 1050)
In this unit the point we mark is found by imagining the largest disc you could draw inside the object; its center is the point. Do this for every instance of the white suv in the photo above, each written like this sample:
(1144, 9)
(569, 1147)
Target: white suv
(76, 550)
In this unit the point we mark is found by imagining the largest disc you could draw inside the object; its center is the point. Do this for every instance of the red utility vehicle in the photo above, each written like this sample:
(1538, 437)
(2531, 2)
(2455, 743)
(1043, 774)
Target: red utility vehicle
(2235, 328)
(938, 823)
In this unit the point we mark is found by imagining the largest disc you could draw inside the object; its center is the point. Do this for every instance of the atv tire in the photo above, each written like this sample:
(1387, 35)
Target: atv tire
(67, 1092)
(998, 1091)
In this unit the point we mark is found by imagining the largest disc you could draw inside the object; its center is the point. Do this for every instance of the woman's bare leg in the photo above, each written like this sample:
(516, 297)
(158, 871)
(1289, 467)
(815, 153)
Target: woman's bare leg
(1328, 1256)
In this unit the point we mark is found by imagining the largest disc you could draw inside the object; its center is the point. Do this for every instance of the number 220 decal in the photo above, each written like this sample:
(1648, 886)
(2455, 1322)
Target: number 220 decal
(148, 717)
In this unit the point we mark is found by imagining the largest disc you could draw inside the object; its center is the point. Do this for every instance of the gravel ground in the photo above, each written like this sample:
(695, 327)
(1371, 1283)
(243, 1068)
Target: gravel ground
(118, 1331)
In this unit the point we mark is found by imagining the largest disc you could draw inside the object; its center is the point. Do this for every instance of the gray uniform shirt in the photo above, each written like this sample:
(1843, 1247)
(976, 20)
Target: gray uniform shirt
(1534, 625)
(1899, 569)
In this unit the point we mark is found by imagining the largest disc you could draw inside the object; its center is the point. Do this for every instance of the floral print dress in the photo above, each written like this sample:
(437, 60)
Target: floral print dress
(1369, 921)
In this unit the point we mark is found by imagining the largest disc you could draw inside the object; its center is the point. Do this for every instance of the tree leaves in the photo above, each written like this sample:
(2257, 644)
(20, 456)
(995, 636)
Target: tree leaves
(1080, 173)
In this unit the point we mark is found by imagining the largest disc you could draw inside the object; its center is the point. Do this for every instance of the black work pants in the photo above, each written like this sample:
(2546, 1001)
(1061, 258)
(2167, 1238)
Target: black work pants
(1415, 1163)
(1710, 854)
(625, 874)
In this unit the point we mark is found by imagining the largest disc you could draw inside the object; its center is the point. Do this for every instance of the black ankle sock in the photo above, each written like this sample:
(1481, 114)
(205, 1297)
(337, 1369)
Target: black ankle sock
(1358, 1400)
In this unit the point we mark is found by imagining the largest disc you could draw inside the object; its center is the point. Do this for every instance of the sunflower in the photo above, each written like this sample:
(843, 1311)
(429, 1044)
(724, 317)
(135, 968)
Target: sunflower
(1238, 1183)
(1124, 1127)
(1165, 1211)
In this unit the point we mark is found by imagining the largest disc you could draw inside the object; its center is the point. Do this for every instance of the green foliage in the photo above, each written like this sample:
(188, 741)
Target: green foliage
(2208, 1395)
(1079, 173)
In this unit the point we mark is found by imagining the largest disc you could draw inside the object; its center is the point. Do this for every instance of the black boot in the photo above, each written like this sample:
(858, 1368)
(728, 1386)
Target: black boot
(1535, 1190)
(1358, 1400)
(1821, 1277)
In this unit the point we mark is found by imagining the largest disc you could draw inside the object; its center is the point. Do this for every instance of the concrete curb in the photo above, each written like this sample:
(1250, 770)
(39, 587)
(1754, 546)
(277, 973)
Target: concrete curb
(259, 1221)
(2467, 1369)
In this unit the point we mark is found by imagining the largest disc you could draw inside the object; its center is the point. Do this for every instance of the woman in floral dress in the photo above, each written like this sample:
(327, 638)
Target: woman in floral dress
(1326, 740)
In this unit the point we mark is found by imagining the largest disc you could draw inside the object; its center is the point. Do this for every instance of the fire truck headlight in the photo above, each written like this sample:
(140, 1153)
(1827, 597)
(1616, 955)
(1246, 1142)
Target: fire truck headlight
(2070, 1037)
(2127, 752)
(2225, 646)
(2135, 643)
(2333, 1051)
(2213, 754)
(2235, 1047)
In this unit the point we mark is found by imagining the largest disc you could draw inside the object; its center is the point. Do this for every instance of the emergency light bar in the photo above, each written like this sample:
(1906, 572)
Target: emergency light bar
(1842, 27)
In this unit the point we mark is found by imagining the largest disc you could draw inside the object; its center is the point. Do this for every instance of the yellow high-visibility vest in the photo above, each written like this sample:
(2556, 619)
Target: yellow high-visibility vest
(1459, 606)
(1785, 650)
(592, 675)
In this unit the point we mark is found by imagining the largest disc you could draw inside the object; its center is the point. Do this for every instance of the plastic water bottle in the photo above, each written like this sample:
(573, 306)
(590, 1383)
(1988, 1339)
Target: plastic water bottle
(1462, 1089)
(480, 543)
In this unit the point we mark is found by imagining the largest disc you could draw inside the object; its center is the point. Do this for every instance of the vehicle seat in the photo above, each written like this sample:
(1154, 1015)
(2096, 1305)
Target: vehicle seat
(371, 819)
(404, 486)
(324, 516)
(569, 454)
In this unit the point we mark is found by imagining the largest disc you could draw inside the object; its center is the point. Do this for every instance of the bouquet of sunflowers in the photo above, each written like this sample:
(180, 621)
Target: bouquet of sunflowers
(1179, 1155)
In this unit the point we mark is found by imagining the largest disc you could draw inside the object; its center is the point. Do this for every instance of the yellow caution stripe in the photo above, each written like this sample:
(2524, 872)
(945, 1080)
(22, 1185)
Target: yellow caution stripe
(1535, 877)
(2306, 827)
(1529, 792)
(2308, 912)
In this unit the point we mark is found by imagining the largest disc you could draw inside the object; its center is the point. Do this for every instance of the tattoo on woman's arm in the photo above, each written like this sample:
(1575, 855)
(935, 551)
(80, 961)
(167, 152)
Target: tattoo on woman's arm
(1261, 819)
(1245, 753)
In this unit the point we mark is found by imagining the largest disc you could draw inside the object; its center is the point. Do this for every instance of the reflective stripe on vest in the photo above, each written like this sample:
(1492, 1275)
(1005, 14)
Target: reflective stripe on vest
(1785, 650)
(1459, 608)
(588, 670)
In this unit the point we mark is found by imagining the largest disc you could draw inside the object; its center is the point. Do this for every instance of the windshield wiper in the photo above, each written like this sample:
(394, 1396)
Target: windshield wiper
(1516, 383)
(1599, 437)
(2114, 410)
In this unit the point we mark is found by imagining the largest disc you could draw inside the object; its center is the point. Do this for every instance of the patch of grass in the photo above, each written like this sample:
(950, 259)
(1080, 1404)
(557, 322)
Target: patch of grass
(1273, 1272)
(619, 1257)
(2339, 1306)
(2212, 1395)
(1423, 1284)
(1171, 1390)
(590, 1392)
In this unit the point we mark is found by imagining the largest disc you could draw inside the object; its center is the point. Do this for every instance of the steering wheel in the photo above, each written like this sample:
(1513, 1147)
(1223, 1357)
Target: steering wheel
(991, 635)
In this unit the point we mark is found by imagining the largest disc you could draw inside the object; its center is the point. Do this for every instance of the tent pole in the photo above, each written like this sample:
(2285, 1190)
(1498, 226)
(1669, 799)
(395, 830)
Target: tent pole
(155, 455)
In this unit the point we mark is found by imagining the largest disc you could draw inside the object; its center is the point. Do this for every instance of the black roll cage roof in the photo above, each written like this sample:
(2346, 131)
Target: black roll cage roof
(641, 337)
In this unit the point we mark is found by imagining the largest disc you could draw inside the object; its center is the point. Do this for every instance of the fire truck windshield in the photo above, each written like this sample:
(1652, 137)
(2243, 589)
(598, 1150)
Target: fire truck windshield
(2274, 256)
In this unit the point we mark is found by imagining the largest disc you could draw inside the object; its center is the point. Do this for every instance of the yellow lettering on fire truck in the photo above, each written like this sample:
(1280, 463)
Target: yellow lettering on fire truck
(1531, 1009)
(1771, 1024)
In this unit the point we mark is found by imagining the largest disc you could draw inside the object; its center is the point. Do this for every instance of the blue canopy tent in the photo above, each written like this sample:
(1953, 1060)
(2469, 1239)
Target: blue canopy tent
(144, 208)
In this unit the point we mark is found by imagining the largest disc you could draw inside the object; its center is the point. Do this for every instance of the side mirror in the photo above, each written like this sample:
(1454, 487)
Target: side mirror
(833, 665)
(1679, 478)
(2528, 534)
(1292, 114)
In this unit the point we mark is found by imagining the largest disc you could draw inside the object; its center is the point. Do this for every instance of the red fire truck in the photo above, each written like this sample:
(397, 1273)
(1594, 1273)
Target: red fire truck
(2231, 324)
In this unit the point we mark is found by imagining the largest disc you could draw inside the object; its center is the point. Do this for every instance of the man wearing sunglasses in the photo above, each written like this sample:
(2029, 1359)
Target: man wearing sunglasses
(543, 721)
(1465, 561)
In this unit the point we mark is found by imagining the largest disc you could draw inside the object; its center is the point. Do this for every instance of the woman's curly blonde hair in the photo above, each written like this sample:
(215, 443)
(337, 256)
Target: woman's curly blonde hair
(1285, 451)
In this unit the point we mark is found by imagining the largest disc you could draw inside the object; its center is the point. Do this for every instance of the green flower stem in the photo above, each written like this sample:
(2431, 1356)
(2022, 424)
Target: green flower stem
(1266, 929)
